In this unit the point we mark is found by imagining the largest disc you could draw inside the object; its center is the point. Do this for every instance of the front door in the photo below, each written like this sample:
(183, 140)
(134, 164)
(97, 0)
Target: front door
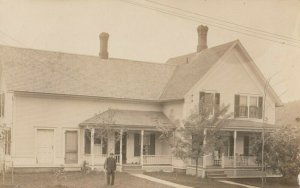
(71, 147)
(45, 146)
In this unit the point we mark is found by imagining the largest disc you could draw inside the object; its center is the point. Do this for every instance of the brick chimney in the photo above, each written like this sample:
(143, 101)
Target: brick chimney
(103, 45)
(202, 37)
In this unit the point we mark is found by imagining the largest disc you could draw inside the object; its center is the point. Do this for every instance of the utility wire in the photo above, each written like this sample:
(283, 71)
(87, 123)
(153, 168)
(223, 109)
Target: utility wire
(247, 28)
(172, 13)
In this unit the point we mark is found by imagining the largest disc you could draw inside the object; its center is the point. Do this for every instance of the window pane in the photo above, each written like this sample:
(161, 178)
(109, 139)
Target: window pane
(253, 101)
(243, 101)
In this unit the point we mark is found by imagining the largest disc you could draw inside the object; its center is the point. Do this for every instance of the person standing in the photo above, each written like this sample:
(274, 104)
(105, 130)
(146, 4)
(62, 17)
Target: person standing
(110, 167)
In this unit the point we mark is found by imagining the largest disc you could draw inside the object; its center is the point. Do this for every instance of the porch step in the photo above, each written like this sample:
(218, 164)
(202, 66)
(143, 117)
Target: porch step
(216, 174)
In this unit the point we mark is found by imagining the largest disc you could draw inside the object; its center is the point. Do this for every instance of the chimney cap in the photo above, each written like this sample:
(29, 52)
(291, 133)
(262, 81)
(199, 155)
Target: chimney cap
(103, 35)
(201, 28)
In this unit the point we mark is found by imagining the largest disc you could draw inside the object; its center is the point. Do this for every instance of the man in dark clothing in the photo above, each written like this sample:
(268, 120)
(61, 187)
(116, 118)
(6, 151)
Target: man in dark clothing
(110, 167)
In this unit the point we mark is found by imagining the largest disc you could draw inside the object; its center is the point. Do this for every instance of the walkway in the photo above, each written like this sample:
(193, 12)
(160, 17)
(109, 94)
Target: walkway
(239, 184)
(160, 181)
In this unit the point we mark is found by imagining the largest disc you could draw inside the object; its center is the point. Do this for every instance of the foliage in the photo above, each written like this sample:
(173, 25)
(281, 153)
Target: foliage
(189, 138)
(281, 151)
(85, 169)
(106, 128)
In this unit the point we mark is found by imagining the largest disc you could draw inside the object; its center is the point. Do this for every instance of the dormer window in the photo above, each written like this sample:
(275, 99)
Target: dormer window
(208, 102)
(248, 106)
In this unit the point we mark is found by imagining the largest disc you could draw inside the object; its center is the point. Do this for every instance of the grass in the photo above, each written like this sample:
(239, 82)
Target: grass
(192, 181)
(207, 183)
(270, 182)
(77, 180)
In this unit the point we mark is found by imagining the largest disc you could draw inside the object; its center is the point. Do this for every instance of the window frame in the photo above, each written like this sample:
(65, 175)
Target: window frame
(259, 113)
(215, 104)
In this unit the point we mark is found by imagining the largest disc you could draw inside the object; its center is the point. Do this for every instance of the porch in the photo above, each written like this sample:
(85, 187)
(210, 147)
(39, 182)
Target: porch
(134, 138)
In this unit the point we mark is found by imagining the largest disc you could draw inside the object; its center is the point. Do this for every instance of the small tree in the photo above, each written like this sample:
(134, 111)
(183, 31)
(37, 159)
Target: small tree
(189, 138)
(282, 150)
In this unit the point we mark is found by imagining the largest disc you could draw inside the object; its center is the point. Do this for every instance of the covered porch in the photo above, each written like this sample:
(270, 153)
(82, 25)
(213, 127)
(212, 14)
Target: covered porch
(236, 155)
(133, 136)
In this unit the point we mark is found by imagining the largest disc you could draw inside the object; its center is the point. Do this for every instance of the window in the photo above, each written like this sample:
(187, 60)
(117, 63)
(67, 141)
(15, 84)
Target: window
(209, 102)
(228, 146)
(7, 142)
(243, 106)
(246, 146)
(137, 144)
(248, 106)
(100, 143)
(2, 103)
(148, 144)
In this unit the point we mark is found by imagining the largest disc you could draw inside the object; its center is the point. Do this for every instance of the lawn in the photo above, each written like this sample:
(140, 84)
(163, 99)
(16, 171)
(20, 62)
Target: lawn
(270, 182)
(77, 180)
(190, 180)
(207, 183)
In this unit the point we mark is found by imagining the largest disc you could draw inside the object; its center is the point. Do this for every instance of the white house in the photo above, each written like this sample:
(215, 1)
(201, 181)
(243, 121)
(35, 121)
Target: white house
(53, 102)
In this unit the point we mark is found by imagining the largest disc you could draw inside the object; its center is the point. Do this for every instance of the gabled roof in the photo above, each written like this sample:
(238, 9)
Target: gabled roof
(129, 119)
(188, 74)
(62, 73)
(38, 71)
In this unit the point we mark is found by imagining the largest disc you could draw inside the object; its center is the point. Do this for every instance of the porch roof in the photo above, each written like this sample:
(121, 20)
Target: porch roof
(129, 119)
(247, 125)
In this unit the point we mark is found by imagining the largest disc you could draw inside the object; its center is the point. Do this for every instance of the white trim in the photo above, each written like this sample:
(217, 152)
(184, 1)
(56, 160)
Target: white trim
(36, 129)
(64, 145)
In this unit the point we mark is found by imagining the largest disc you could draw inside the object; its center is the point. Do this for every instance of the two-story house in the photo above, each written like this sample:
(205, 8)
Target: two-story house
(54, 103)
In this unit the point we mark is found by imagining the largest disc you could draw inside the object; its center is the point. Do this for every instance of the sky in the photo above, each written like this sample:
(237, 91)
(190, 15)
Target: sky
(139, 30)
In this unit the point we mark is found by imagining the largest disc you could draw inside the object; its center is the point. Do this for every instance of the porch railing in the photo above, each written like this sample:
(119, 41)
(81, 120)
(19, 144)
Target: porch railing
(241, 161)
(227, 161)
(192, 161)
(246, 161)
(157, 159)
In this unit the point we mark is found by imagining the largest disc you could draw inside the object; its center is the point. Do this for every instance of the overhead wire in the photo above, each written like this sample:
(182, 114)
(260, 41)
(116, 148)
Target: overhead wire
(225, 21)
(217, 25)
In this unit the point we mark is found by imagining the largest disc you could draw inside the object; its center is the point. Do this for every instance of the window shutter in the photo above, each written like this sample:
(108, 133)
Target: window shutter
(260, 107)
(217, 101)
(137, 143)
(246, 145)
(201, 101)
(237, 106)
(152, 144)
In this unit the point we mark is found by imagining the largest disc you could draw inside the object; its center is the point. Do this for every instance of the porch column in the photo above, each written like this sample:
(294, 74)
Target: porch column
(142, 146)
(92, 148)
(121, 143)
(234, 149)
(205, 132)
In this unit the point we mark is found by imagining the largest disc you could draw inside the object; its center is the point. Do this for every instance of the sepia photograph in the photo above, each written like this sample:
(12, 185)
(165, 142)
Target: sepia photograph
(150, 93)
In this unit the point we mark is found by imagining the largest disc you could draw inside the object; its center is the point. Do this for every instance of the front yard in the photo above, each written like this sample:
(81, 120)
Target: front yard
(76, 180)
(208, 183)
